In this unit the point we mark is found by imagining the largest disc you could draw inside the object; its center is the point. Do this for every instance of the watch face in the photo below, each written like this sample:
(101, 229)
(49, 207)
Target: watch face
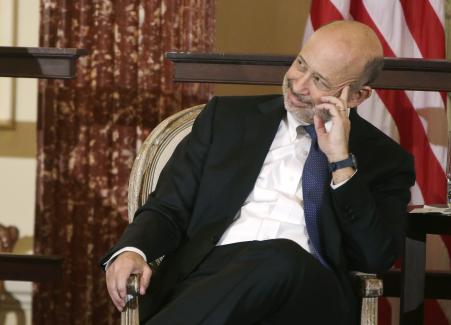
(354, 161)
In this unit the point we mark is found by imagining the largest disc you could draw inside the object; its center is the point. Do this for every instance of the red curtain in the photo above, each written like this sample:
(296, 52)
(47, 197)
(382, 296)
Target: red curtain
(90, 128)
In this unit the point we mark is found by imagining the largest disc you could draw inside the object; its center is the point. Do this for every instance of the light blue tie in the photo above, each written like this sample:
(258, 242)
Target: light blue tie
(314, 178)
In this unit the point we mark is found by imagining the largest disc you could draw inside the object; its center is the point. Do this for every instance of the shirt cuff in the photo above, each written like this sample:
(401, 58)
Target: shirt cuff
(125, 249)
(335, 186)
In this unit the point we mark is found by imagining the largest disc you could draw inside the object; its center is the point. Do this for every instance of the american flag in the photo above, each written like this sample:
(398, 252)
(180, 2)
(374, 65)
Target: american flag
(417, 120)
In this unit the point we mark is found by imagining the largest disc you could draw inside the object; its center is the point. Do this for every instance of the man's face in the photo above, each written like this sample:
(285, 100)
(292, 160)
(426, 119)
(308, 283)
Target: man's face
(321, 69)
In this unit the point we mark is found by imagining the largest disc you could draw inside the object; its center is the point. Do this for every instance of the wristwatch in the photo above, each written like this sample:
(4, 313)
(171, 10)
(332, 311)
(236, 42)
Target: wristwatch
(351, 161)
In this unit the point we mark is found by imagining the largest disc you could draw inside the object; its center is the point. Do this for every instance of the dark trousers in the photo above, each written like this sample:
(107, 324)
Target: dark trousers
(259, 282)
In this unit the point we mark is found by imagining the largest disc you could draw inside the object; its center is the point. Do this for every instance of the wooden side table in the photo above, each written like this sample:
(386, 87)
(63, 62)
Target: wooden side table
(36, 268)
(39, 62)
(413, 284)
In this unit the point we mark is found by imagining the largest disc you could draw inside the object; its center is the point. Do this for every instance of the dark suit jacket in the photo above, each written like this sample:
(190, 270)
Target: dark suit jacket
(214, 169)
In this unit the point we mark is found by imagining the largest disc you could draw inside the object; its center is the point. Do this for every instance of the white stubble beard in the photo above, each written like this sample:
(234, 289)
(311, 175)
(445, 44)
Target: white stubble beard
(302, 114)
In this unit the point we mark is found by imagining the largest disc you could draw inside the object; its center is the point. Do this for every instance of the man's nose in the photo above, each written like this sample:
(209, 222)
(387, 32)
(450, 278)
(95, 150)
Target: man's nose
(300, 84)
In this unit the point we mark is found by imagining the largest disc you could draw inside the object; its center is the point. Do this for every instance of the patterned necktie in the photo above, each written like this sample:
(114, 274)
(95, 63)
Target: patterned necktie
(314, 179)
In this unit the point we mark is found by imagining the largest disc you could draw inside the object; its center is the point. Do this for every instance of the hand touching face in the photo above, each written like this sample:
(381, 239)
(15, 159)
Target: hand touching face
(334, 143)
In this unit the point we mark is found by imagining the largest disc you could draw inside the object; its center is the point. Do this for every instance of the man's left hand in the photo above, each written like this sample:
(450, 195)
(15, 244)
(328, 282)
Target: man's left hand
(334, 143)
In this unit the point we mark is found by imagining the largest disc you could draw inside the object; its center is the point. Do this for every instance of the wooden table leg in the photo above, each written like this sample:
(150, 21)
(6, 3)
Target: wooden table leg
(412, 280)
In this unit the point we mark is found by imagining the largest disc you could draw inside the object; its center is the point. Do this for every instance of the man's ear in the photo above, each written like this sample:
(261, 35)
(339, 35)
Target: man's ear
(357, 97)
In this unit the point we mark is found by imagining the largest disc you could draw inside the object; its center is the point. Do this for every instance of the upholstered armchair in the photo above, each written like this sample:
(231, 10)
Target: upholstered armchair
(149, 162)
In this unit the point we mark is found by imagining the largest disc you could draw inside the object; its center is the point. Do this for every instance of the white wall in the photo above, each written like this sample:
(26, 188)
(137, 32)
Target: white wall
(18, 174)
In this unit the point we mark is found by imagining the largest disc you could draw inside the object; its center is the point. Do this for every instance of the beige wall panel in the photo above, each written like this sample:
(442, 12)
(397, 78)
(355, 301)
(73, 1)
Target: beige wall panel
(259, 27)
(17, 192)
(26, 100)
(27, 35)
(7, 23)
(19, 142)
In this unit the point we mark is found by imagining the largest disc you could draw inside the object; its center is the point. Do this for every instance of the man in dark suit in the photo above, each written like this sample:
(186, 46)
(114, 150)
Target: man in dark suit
(260, 214)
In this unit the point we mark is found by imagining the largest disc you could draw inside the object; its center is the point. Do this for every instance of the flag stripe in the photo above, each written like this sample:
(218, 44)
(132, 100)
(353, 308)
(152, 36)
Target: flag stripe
(379, 117)
(434, 314)
(384, 311)
(396, 32)
(328, 13)
(388, 16)
(425, 162)
(423, 11)
(407, 119)
(439, 7)
(426, 35)
(343, 7)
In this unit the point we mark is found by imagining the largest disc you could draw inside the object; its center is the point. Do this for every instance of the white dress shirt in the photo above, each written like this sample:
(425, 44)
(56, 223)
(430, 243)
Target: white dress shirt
(274, 208)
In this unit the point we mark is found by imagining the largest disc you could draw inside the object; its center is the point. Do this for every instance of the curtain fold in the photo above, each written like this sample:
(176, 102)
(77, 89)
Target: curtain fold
(89, 130)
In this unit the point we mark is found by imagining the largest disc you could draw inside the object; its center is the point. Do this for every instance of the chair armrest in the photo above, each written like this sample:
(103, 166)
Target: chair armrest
(130, 314)
(368, 285)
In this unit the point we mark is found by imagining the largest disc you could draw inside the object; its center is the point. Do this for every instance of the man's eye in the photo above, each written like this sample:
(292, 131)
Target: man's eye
(320, 83)
(302, 66)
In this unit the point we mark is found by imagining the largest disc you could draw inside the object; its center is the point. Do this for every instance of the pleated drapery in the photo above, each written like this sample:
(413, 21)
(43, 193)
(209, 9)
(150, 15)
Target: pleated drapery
(89, 130)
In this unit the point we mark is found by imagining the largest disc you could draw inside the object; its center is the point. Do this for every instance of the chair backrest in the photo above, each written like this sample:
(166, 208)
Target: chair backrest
(150, 160)
(154, 153)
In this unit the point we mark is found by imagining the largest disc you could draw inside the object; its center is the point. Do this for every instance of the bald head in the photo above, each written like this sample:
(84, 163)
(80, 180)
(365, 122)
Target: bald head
(354, 44)
(353, 35)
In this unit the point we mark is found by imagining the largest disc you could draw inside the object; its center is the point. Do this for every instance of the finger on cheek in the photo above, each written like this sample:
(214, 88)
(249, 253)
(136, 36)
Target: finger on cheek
(345, 93)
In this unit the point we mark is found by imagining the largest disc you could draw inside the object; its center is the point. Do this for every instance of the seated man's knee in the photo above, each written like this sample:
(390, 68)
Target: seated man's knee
(287, 258)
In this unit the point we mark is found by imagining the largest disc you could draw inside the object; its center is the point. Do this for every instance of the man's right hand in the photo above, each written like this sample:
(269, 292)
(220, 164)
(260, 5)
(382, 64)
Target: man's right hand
(118, 272)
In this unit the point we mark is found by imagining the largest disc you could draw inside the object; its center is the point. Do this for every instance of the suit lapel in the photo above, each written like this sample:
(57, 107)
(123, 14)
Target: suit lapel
(260, 130)
(260, 127)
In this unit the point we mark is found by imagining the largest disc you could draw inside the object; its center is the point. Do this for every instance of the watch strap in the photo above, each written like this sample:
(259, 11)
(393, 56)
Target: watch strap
(348, 162)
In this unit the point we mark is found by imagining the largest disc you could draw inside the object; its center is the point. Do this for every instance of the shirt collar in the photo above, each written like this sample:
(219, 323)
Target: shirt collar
(293, 124)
